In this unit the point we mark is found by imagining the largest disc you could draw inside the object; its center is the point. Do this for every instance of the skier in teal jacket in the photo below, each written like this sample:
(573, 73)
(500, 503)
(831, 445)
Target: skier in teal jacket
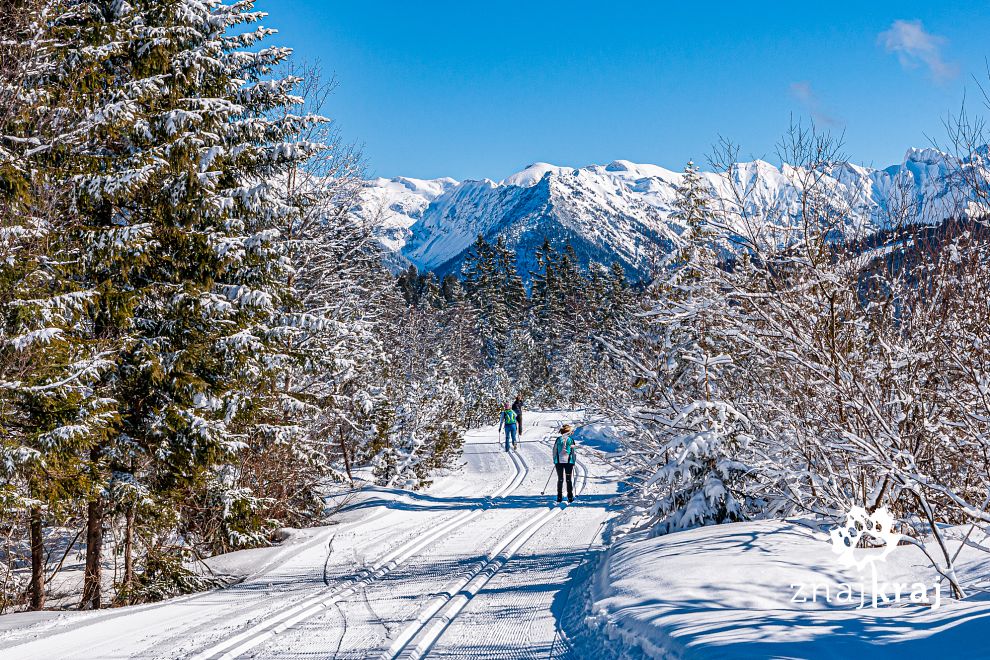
(509, 420)
(564, 455)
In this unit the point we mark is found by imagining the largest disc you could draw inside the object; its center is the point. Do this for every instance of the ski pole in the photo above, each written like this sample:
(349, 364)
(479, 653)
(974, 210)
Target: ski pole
(544, 491)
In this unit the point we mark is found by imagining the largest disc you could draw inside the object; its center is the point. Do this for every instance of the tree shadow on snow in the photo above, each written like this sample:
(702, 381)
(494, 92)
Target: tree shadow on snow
(421, 502)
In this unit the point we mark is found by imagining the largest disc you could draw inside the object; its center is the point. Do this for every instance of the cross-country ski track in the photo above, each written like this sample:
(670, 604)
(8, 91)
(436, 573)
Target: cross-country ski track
(477, 565)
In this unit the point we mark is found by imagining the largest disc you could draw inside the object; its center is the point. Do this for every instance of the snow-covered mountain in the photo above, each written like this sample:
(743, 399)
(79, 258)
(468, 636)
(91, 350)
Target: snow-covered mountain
(621, 211)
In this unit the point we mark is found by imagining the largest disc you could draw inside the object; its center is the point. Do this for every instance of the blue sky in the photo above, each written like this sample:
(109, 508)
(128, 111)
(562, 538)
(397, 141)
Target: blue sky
(472, 89)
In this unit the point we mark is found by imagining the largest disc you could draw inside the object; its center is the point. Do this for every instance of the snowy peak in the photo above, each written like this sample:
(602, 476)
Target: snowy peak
(622, 211)
(928, 156)
(532, 175)
(391, 206)
(429, 188)
(625, 169)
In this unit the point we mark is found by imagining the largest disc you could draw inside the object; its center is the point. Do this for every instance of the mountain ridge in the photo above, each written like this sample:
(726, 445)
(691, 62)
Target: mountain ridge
(621, 211)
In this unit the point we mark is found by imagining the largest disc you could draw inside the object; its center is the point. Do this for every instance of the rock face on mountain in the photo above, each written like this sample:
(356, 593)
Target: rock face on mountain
(622, 211)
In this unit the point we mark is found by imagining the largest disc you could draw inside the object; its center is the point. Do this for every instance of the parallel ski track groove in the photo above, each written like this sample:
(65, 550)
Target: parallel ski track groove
(291, 615)
(11, 644)
(418, 638)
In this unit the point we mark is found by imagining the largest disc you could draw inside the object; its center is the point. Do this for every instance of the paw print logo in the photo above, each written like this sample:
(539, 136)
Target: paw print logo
(859, 524)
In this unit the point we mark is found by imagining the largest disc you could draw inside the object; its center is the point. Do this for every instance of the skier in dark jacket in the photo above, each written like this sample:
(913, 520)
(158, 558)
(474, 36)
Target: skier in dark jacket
(517, 408)
(508, 420)
(564, 455)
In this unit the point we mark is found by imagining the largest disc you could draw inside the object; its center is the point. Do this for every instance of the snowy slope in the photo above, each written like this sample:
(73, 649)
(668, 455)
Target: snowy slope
(394, 205)
(621, 211)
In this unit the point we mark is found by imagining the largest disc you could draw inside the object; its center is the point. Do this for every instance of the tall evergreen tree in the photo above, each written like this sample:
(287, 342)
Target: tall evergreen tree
(51, 410)
(485, 281)
(178, 131)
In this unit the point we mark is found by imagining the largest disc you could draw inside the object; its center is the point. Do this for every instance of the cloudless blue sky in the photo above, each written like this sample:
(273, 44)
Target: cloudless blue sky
(479, 89)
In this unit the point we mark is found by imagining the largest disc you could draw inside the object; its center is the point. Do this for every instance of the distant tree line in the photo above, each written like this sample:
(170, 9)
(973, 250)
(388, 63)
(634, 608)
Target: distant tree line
(535, 337)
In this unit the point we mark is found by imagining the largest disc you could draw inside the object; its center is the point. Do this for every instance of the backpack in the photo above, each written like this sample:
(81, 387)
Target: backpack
(564, 445)
(509, 416)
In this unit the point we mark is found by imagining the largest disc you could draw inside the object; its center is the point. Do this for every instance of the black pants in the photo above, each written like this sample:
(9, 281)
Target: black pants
(562, 469)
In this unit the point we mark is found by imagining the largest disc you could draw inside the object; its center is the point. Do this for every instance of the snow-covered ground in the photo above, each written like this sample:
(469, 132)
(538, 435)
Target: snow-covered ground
(758, 590)
(475, 566)
(482, 565)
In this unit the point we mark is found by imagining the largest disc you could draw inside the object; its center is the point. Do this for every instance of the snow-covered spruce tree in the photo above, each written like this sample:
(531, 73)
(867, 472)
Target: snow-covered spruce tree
(330, 334)
(51, 413)
(567, 344)
(607, 305)
(19, 246)
(607, 297)
(494, 287)
(179, 130)
(552, 308)
(421, 428)
(463, 347)
(486, 284)
(687, 439)
(546, 306)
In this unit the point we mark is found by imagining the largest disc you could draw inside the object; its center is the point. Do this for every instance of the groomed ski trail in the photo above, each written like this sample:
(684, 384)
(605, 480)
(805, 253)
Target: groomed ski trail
(417, 639)
(475, 566)
(241, 643)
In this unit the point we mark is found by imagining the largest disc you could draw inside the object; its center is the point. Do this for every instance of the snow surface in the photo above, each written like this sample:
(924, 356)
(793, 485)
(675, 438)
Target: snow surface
(475, 566)
(725, 592)
(481, 565)
(599, 436)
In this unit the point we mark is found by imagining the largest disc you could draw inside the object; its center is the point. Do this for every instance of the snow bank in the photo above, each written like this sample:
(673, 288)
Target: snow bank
(732, 591)
(599, 436)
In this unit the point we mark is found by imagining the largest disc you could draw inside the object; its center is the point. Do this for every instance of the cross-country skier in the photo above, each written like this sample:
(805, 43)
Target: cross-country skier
(508, 420)
(564, 454)
(517, 408)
